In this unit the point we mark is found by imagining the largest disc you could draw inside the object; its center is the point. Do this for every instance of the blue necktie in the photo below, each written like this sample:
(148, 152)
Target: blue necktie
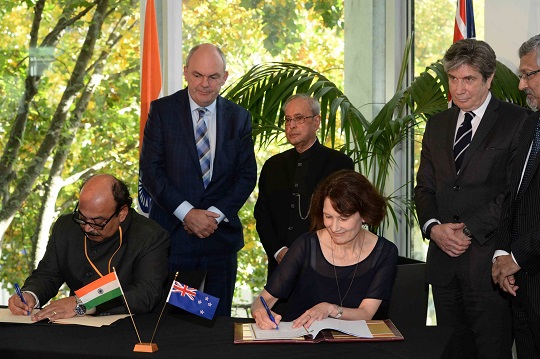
(463, 139)
(203, 146)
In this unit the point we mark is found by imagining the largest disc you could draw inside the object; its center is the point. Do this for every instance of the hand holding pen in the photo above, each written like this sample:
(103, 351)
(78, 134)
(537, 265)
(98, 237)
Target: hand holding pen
(19, 293)
(268, 311)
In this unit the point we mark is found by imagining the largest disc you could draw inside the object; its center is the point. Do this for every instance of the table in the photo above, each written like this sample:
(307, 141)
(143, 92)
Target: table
(182, 335)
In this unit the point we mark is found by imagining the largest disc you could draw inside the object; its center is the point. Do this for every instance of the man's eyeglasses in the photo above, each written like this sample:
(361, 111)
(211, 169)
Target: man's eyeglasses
(77, 218)
(527, 75)
(299, 119)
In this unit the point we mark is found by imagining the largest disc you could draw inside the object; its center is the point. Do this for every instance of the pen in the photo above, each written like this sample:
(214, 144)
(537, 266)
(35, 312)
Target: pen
(19, 293)
(268, 311)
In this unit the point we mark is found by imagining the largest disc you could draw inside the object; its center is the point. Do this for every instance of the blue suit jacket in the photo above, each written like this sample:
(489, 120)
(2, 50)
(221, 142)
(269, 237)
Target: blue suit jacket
(171, 173)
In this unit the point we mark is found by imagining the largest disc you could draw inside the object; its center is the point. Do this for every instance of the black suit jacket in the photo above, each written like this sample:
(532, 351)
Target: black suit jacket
(526, 248)
(277, 208)
(473, 197)
(171, 173)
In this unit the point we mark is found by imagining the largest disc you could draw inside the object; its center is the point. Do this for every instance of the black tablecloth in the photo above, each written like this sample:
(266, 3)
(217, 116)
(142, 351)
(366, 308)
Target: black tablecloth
(185, 335)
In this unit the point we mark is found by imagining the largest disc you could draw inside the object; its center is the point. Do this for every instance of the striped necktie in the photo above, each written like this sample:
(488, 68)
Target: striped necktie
(463, 139)
(203, 146)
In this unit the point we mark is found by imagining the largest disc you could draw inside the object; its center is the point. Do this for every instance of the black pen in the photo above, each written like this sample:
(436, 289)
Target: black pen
(268, 311)
(19, 293)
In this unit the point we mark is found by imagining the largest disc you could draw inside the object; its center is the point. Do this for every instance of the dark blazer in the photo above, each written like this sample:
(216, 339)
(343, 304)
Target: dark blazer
(526, 248)
(171, 173)
(276, 210)
(140, 263)
(473, 197)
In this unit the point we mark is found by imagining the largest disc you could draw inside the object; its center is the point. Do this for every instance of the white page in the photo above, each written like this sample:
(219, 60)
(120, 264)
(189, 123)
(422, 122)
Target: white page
(356, 328)
(7, 317)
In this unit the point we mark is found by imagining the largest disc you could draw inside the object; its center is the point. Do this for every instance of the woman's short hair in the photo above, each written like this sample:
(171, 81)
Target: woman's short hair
(349, 192)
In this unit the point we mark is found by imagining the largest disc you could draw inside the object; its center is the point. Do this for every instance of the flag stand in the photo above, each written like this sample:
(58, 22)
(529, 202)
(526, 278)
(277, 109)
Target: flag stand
(145, 347)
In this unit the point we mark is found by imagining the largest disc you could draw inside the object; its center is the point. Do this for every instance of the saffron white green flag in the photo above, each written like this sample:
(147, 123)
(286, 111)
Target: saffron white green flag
(100, 291)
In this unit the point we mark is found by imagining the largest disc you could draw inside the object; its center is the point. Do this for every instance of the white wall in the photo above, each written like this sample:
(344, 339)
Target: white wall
(509, 23)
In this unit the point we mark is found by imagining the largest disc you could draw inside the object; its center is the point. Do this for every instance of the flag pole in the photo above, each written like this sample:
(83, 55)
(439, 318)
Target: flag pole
(139, 347)
(162, 309)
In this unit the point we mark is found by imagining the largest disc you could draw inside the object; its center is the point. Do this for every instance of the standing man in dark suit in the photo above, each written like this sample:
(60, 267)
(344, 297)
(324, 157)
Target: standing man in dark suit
(198, 164)
(461, 184)
(288, 179)
(516, 264)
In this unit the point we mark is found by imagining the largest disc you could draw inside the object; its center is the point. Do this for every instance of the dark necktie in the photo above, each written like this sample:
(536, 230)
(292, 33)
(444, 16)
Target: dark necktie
(526, 178)
(463, 139)
(203, 146)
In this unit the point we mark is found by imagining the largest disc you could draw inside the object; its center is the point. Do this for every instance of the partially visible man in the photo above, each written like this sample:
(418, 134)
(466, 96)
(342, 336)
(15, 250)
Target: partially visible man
(198, 165)
(461, 183)
(103, 234)
(288, 179)
(517, 259)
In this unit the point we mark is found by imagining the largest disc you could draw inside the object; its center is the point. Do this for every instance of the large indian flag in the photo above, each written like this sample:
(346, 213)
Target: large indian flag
(100, 291)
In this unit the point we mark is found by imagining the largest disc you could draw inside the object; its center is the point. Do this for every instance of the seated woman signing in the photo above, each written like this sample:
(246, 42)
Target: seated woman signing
(339, 269)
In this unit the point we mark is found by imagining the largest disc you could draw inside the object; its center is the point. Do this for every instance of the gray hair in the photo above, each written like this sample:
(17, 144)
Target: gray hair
(475, 53)
(195, 48)
(533, 44)
(312, 101)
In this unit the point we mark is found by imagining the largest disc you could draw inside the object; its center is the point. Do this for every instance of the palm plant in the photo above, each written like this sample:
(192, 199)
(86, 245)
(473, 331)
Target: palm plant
(264, 88)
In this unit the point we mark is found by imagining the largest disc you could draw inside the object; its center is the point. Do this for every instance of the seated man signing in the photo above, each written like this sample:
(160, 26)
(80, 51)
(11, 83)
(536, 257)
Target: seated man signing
(102, 233)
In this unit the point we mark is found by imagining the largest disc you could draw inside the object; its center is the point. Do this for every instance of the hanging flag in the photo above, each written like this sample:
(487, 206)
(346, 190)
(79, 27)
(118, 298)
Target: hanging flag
(100, 291)
(464, 23)
(150, 86)
(192, 300)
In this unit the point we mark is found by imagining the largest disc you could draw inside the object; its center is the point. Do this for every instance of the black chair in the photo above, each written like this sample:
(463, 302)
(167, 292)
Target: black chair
(409, 301)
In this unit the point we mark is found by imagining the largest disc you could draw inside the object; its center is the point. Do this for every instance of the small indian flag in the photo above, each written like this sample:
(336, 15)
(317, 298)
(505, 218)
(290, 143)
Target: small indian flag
(100, 291)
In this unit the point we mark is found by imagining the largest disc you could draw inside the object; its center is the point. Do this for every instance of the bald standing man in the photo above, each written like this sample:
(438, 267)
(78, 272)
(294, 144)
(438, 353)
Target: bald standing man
(101, 235)
(198, 165)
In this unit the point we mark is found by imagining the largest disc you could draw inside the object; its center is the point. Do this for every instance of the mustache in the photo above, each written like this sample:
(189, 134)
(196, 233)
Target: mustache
(94, 234)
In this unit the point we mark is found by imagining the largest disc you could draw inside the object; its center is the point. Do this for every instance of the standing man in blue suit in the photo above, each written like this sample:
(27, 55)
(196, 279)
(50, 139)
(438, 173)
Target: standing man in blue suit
(198, 164)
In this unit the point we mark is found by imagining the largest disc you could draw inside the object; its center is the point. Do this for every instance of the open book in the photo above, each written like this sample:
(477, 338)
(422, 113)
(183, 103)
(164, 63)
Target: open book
(328, 329)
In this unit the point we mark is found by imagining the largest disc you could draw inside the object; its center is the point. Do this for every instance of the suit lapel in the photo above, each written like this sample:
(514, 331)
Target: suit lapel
(223, 115)
(528, 129)
(185, 122)
(449, 134)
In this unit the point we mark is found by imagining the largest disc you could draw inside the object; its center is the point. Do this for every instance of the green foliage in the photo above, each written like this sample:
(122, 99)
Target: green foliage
(106, 130)
(264, 87)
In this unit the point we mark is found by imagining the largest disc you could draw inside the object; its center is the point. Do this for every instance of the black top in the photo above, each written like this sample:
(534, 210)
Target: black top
(307, 278)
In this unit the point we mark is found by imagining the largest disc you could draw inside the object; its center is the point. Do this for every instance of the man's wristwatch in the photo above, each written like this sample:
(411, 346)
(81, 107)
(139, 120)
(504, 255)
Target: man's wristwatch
(339, 312)
(467, 232)
(80, 308)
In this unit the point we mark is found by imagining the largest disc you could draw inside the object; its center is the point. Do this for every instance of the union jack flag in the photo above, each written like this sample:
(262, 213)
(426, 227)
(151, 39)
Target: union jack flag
(464, 24)
(192, 300)
(184, 290)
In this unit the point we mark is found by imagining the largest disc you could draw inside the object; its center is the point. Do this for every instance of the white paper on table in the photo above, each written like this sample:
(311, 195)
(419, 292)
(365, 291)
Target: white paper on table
(357, 328)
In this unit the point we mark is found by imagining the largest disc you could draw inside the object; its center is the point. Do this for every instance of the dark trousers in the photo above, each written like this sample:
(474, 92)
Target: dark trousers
(220, 277)
(526, 328)
(481, 320)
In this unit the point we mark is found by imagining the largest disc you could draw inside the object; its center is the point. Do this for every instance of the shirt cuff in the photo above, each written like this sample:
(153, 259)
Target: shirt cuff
(35, 297)
(500, 252)
(183, 209)
(221, 215)
(433, 220)
(277, 253)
